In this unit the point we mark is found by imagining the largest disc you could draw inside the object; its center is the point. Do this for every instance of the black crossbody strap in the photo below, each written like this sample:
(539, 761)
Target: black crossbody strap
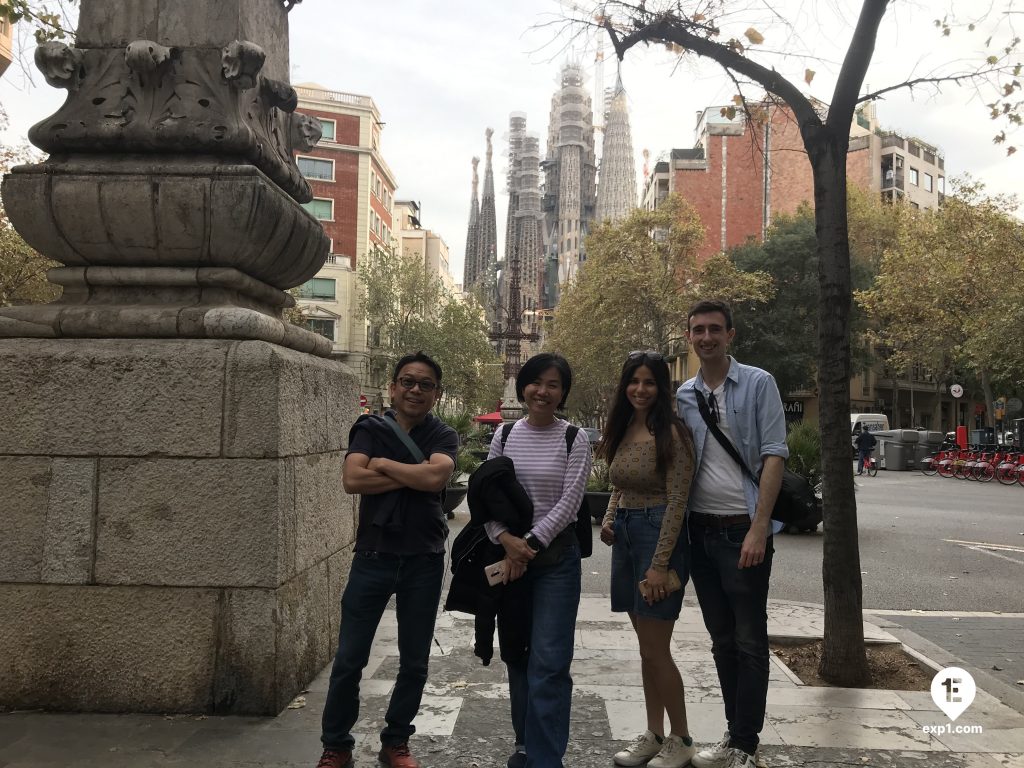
(401, 434)
(705, 412)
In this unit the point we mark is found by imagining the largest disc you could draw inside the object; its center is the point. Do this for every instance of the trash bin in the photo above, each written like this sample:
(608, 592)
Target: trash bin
(896, 449)
(928, 442)
(985, 436)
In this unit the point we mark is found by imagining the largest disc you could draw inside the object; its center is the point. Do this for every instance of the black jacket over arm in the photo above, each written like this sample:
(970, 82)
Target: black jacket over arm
(494, 495)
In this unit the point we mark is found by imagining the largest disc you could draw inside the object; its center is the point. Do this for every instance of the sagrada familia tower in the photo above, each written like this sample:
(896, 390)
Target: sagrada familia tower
(481, 264)
(547, 223)
(616, 189)
(570, 180)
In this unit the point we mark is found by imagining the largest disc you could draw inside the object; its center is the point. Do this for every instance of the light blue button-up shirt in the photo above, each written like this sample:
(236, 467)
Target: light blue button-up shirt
(757, 421)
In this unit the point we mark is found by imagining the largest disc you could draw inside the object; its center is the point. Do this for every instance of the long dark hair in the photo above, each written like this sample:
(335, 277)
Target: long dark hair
(661, 417)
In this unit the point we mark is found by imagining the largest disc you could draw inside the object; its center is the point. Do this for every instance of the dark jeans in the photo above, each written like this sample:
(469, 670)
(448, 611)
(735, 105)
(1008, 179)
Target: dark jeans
(540, 686)
(734, 602)
(415, 581)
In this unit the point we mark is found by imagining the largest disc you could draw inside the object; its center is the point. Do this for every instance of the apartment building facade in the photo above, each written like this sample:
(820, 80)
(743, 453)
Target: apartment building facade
(739, 176)
(353, 197)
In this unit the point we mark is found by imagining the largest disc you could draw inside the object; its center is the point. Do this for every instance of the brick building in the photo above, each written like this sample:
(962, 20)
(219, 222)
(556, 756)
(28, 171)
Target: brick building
(738, 176)
(353, 197)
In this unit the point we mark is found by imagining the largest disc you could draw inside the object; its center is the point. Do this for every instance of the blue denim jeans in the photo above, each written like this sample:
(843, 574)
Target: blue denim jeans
(734, 602)
(636, 537)
(540, 686)
(415, 581)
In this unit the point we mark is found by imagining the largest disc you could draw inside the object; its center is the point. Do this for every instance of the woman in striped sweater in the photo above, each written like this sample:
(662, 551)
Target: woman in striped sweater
(548, 557)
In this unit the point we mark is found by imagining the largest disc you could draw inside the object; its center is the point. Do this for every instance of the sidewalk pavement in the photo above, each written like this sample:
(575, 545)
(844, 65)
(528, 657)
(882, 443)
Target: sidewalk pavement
(464, 718)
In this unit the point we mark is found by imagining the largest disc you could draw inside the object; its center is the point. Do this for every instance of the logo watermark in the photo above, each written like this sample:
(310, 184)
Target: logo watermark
(953, 690)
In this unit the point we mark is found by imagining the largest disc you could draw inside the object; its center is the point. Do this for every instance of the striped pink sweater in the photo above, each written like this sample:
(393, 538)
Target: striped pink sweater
(555, 486)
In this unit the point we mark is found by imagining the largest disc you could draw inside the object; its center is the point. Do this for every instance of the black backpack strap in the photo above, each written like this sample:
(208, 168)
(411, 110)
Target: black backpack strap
(570, 438)
(506, 430)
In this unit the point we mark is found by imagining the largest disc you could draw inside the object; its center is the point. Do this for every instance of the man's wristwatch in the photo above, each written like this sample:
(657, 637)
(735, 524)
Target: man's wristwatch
(533, 542)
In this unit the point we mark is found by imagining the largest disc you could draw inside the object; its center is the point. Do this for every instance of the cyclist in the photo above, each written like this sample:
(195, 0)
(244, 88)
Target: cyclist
(866, 443)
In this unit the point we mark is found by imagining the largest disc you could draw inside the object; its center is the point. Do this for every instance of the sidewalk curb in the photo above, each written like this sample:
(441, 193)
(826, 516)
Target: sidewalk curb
(1005, 693)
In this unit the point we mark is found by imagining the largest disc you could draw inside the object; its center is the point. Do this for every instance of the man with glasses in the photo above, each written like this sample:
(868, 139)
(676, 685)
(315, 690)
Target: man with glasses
(739, 431)
(400, 463)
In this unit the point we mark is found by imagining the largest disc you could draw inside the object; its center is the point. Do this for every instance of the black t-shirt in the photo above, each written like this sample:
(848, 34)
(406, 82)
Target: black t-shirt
(425, 529)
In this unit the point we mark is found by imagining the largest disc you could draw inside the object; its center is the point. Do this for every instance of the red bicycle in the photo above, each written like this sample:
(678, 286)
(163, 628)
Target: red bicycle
(1011, 469)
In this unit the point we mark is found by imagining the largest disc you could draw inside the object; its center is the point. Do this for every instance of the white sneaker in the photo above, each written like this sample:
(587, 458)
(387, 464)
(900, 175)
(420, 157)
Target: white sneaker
(716, 756)
(640, 750)
(674, 753)
(741, 759)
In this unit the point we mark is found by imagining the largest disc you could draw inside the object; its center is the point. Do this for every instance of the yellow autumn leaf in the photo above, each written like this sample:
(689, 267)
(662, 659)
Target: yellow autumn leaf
(808, 75)
(755, 37)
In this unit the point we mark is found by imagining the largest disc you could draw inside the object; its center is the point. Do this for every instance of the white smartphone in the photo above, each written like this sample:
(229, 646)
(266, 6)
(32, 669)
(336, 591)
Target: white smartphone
(495, 572)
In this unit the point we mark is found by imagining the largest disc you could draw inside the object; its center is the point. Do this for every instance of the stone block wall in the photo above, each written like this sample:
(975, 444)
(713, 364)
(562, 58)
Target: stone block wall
(173, 530)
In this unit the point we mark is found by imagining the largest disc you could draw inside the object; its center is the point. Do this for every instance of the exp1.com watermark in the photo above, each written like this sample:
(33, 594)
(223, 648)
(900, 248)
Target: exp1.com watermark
(953, 691)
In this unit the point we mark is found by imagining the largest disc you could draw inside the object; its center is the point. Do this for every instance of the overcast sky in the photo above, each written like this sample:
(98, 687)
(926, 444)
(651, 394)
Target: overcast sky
(441, 73)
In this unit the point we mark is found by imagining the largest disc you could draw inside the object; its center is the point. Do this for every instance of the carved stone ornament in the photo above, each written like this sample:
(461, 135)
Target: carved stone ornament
(60, 64)
(306, 132)
(150, 98)
(147, 57)
(241, 63)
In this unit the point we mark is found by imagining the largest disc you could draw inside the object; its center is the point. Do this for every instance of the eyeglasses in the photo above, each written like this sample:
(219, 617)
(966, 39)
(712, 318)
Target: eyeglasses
(713, 407)
(650, 354)
(425, 385)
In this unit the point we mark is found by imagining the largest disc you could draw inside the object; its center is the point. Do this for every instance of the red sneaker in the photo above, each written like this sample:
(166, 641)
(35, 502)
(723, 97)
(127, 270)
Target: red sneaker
(335, 758)
(397, 756)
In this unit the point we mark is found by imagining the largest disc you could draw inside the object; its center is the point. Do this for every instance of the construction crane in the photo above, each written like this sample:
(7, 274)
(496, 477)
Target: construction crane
(598, 17)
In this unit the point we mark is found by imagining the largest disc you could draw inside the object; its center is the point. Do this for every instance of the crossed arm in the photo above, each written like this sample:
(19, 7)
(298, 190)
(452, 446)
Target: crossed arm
(363, 474)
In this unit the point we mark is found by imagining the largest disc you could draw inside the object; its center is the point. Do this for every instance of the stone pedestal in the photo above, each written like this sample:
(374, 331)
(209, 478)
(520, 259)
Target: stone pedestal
(174, 530)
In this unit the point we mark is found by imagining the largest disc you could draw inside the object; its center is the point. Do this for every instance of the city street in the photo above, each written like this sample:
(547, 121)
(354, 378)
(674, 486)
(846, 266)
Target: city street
(926, 543)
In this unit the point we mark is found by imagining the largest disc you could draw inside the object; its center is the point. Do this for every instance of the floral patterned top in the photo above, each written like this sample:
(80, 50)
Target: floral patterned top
(637, 484)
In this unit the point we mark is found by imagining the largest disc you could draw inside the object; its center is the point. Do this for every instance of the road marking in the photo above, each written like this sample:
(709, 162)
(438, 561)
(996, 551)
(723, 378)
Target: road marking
(985, 545)
(991, 549)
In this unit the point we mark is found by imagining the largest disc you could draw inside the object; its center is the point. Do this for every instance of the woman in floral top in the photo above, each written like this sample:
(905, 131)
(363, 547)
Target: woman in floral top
(651, 460)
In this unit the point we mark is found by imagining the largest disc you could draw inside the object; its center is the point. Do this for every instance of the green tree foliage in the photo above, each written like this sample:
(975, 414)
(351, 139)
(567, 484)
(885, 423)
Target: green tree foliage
(408, 309)
(781, 333)
(951, 294)
(48, 20)
(22, 269)
(633, 292)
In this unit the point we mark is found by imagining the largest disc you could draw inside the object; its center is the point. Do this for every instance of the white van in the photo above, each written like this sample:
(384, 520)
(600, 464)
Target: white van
(871, 422)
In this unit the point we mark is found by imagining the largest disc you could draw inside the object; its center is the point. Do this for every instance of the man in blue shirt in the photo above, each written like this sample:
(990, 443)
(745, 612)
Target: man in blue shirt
(730, 523)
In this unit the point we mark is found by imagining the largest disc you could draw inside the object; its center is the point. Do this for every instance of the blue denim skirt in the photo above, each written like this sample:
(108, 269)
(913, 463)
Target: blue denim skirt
(636, 537)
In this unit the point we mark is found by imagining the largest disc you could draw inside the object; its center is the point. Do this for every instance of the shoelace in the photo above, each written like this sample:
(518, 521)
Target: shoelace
(401, 750)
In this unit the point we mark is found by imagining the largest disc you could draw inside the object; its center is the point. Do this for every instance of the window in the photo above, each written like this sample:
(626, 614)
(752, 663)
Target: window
(324, 327)
(942, 185)
(928, 182)
(913, 176)
(321, 208)
(328, 128)
(898, 161)
(318, 288)
(315, 168)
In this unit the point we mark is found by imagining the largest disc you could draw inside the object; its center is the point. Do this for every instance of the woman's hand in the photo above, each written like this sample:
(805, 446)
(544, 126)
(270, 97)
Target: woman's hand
(513, 570)
(516, 548)
(608, 534)
(657, 585)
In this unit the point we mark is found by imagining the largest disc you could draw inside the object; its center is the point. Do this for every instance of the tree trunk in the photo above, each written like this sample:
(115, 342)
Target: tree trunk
(895, 403)
(987, 393)
(843, 661)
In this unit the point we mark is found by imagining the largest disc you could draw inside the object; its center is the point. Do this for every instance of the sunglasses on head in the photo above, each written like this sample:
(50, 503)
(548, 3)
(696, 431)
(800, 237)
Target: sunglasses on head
(649, 354)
